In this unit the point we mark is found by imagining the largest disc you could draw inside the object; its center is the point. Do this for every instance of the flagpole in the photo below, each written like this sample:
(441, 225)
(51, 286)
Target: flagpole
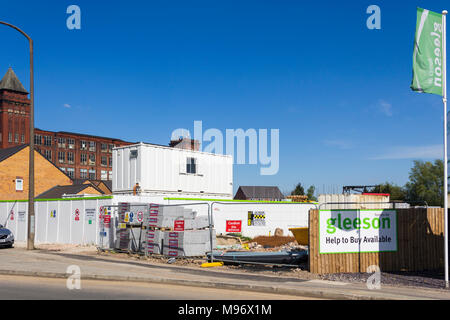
(444, 87)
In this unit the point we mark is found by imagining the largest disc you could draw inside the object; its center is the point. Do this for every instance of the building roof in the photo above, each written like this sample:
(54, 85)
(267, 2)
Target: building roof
(8, 152)
(261, 192)
(82, 135)
(59, 191)
(107, 183)
(11, 82)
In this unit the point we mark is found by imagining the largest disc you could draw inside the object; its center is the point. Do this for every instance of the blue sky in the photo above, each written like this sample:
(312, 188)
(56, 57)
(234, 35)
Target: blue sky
(337, 91)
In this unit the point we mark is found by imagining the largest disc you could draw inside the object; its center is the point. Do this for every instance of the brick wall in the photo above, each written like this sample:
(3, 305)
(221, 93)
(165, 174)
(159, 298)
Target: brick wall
(14, 118)
(52, 149)
(16, 166)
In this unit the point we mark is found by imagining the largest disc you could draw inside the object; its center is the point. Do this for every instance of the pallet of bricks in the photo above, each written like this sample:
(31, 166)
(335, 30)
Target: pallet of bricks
(162, 238)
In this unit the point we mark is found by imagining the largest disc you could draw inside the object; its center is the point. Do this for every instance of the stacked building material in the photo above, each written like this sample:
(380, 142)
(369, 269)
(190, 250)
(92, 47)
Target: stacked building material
(123, 234)
(153, 241)
(165, 217)
(160, 236)
(187, 243)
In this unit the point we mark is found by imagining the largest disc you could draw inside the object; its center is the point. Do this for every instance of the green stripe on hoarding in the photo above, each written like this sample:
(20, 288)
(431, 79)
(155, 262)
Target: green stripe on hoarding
(359, 209)
(228, 200)
(60, 199)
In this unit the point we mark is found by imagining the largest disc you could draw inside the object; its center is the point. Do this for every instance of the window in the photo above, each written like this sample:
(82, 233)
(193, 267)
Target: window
(110, 175)
(71, 172)
(70, 157)
(16, 138)
(9, 137)
(22, 139)
(92, 159)
(111, 146)
(47, 140)
(104, 175)
(110, 161)
(70, 143)
(48, 154)
(91, 145)
(63, 169)
(19, 184)
(83, 145)
(61, 142)
(191, 165)
(91, 174)
(0, 136)
(83, 158)
(104, 161)
(37, 139)
(104, 147)
(61, 157)
(83, 173)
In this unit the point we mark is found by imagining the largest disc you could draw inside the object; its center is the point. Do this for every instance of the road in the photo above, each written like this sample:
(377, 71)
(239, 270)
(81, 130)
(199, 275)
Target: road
(30, 288)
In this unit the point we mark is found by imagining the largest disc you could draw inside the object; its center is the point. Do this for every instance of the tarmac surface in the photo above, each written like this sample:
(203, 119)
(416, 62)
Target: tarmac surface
(54, 264)
(39, 288)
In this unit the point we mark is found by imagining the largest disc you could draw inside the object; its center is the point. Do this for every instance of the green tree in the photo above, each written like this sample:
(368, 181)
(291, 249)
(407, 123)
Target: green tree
(310, 193)
(426, 182)
(396, 192)
(298, 191)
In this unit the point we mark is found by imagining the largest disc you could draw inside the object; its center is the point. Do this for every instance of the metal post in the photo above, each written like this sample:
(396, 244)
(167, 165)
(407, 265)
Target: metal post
(444, 87)
(31, 219)
(210, 231)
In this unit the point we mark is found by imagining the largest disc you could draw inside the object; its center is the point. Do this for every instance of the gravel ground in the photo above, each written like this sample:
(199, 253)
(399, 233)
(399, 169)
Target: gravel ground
(415, 279)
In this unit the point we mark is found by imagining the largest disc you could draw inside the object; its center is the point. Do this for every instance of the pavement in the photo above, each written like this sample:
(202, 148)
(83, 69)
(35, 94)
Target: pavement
(54, 264)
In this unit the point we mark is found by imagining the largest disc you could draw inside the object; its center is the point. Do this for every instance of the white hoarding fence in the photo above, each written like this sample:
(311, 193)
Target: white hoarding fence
(253, 219)
(74, 221)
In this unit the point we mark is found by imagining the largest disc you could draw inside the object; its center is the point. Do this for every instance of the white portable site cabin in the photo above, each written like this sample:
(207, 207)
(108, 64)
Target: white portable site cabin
(164, 170)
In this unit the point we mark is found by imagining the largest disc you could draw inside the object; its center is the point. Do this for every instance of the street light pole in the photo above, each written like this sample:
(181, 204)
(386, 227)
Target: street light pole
(31, 219)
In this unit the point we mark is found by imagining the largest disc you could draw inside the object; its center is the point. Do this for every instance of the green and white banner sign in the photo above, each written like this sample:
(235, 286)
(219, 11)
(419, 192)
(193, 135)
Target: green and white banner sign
(427, 55)
(353, 231)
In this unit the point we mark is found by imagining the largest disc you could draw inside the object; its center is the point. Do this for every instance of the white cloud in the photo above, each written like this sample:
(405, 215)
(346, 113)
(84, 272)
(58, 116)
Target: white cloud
(66, 105)
(341, 144)
(408, 152)
(385, 108)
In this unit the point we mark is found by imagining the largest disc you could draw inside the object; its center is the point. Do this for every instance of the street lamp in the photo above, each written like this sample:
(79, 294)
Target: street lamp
(31, 220)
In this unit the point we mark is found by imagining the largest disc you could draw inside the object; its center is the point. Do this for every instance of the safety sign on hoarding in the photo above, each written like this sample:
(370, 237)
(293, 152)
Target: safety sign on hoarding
(22, 216)
(354, 231)
(107, 220)
(140, 216)
(11, 215)
(90, 214)
(234, 226)
(129, 217)
(77, 215)
(178, 225)
(53, 214)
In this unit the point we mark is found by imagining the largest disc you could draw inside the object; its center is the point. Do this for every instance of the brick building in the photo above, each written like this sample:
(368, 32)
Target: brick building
(14, 173)
(81, 156)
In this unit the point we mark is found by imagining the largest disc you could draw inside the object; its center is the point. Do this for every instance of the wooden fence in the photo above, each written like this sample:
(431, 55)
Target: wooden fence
(420, 234)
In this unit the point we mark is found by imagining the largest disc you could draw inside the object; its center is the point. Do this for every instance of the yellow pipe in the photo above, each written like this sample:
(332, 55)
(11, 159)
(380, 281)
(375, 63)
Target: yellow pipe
(211, 264)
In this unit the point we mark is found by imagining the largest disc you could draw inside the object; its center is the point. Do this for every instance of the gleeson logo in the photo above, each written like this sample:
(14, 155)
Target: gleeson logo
(357, 223)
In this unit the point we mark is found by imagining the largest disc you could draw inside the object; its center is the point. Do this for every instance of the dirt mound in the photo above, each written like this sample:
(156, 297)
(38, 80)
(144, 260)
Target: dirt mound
(273, 241)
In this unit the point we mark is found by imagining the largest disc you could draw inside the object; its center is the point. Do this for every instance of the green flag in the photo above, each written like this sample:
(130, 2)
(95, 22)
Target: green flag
(427, 56)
